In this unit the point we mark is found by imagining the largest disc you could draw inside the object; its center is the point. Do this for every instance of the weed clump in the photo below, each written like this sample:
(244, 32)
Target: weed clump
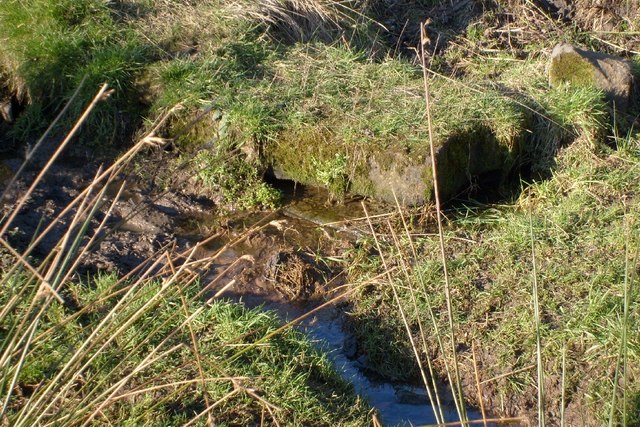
(50, 47)
(236, 180)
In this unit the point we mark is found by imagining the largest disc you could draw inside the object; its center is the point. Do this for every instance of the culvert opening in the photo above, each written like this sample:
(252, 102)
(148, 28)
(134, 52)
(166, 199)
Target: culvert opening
(489, 188)
(289, 189)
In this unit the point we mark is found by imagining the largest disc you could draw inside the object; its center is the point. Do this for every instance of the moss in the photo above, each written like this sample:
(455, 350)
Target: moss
(573, 69)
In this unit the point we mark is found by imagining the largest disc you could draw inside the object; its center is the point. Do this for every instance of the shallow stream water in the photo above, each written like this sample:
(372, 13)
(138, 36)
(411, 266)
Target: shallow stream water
(305, 223)
(307, 218)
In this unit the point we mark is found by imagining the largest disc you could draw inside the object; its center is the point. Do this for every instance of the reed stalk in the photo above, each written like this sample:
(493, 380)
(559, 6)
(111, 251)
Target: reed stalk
(536, 319)
(457, 384)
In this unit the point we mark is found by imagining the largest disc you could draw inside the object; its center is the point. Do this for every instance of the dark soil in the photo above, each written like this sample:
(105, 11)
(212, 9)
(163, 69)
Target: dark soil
(141, 222)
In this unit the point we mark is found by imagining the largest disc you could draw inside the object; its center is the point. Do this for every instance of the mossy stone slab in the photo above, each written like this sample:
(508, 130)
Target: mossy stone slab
(387, 173)
(578, 67)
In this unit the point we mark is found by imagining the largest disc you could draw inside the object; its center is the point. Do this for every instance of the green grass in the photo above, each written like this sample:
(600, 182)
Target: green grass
(318, 99)
(286, 370)
(154, 348)
(235, 180)
(49, 47)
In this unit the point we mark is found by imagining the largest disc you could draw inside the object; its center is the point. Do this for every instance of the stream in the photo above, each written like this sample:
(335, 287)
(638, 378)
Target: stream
(306, 222)
(278, 261)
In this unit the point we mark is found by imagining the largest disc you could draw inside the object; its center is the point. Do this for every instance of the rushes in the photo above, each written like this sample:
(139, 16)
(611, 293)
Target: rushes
(458, 396)
(301, 20)
(622, 358)
(536, 319)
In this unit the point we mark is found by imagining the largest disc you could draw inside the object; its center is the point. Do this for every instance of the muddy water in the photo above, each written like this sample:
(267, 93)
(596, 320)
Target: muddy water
(306, 223)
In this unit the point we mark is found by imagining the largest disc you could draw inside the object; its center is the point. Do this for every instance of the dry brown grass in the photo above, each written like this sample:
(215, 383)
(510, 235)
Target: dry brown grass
(301, 20)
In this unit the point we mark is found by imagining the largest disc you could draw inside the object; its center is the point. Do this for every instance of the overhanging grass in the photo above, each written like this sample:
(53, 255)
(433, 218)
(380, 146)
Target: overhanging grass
(49, 47)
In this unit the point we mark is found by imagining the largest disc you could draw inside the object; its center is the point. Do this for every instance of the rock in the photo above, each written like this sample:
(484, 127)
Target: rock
(477, 137)
(401, 177)
(560, 8)
(465, 157)
(579, 67)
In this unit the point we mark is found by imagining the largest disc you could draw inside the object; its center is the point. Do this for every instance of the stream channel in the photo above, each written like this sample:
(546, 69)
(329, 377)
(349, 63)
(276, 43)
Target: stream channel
(278, 251)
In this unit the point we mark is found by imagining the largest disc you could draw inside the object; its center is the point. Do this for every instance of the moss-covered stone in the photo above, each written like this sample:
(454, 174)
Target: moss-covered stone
(389, 172)
(571, 68)
(611, 74)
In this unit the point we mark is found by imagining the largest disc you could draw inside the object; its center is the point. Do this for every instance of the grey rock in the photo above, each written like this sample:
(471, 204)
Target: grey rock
(400, 177)
(561, 8)
(580, 67)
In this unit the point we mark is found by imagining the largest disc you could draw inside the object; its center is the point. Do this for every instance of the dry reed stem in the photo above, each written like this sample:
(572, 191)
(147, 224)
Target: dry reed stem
(88, 205)
(18, 368)
(509, 420)
(99, 97)
(96, 232)
(87, 344)
(196, 353)
(273, 416)
(83, 198)
(54, 269)
(375, 420)
(46, 133)
(436, 404)
(112, 292)
(562, 383)
(458, 395)
(310, 312)
(191, 300)
(151, 334)
(92, 208)
(212, 407)
(536, 318)
(113, 390)
(109, 174)
(70, 381)
(405, 322)
(46, 286)
(434, 322)
(362, 218)
(133, 393)
(508, 374)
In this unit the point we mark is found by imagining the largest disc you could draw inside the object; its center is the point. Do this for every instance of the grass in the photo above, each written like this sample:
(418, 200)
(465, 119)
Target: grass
(49, 47)
(169, 387)
(581, 221)
(236, 180)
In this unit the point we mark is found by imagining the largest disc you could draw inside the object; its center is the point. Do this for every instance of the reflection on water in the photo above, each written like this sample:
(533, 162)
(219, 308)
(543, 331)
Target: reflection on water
(397, 404)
